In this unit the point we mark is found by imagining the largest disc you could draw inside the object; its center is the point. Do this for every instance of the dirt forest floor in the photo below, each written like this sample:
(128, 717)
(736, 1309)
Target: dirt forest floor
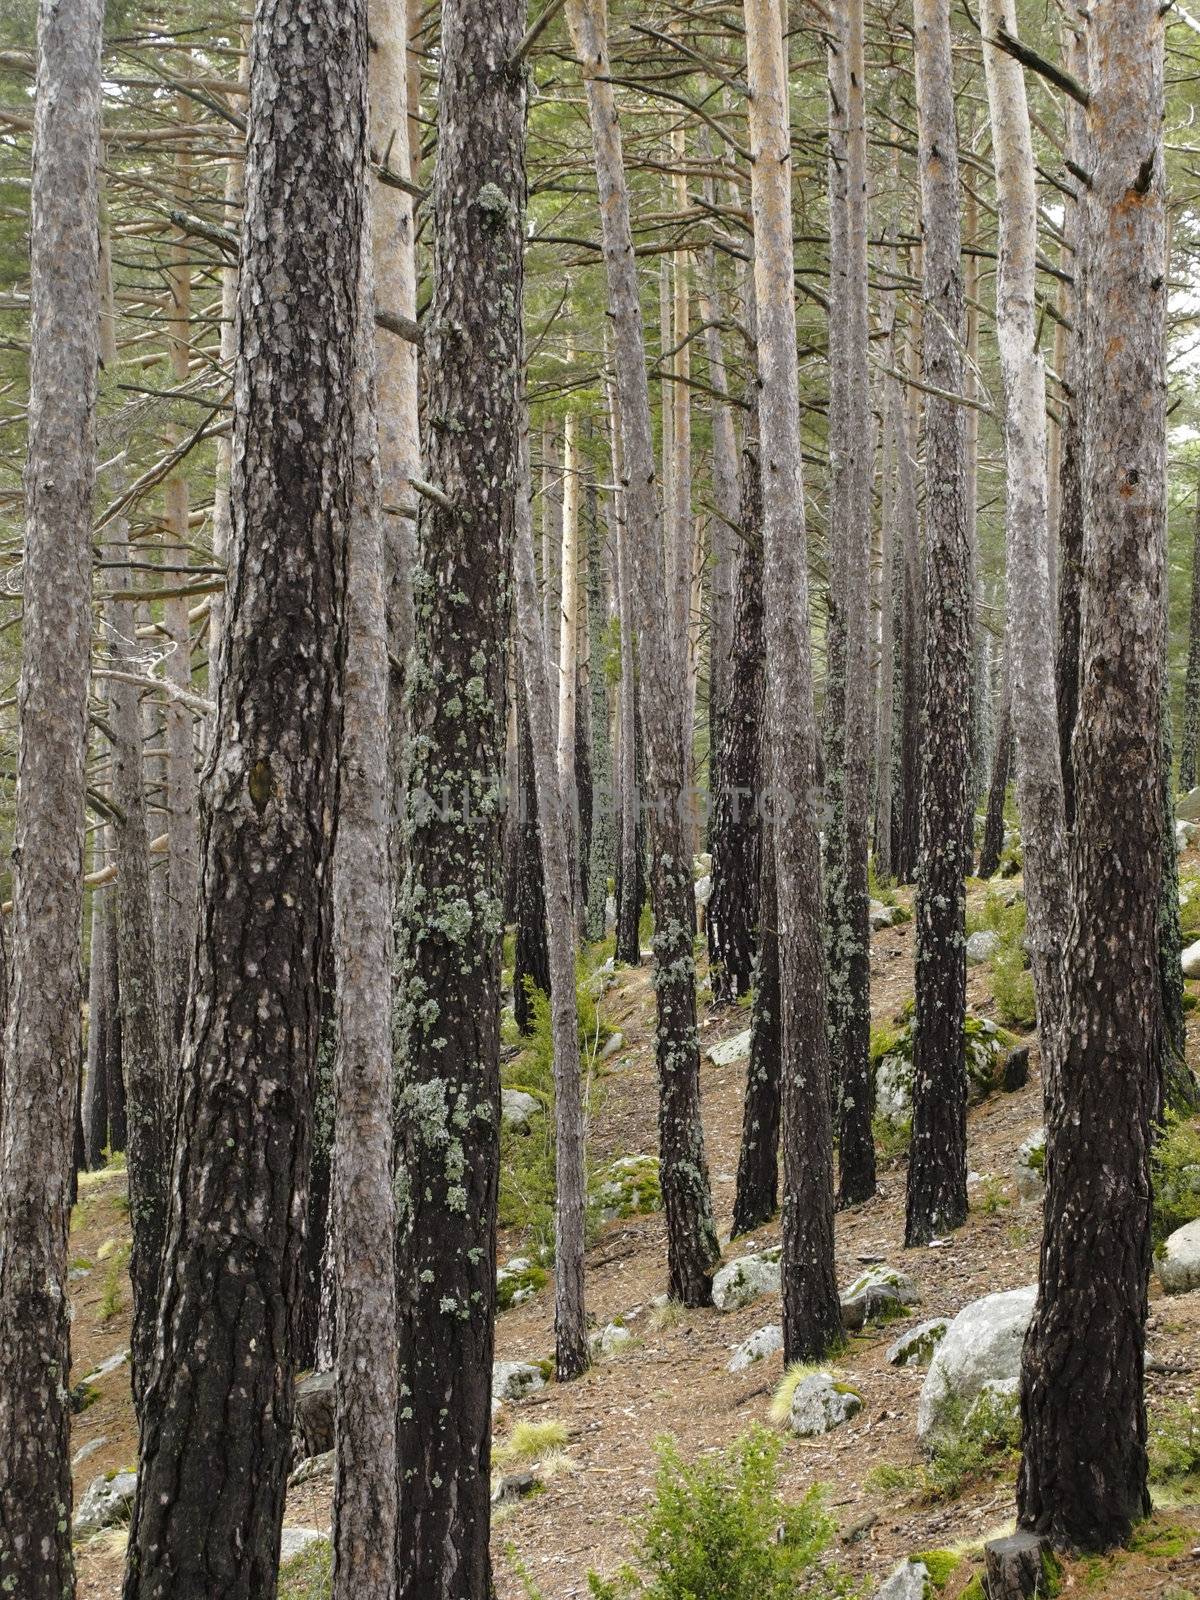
(672, 1378)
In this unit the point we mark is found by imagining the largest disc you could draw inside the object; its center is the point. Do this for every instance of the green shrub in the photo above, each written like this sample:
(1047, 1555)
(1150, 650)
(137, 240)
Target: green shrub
(719, 1528)
(1012, 986)
(893, 1140)
(307, 1576)
(1175, 1164)
(987, 1438)
(1174, 1441)
(888, 1479)
(941, 1566)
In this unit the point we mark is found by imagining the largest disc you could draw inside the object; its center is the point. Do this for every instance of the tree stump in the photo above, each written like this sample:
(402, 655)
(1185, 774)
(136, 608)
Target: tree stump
(1013, 1567)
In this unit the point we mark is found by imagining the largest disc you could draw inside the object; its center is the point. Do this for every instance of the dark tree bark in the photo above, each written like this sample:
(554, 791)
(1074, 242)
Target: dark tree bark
(1083, 1479)
(316, 1294)
(101, 1008)
(43, 1047)
(448, 927)
(531, 959)
(758, 1158)
(602, 831)
(937, 1171)
(1189, 751)
(992, 846)
(910, 636)
(215, 1447)
(733, 910)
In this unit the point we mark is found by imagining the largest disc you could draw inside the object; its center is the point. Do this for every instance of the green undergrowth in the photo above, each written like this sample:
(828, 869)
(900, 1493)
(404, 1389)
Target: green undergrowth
(719, 1526)
(307, 1576)
(1174, 1441)
(1012, 981)
(1175, 1164)
(985, 1443)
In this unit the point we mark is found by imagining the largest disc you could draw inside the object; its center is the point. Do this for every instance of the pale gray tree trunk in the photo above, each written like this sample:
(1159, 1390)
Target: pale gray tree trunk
(43, 1045)
(362, 1211)
(1030, 609)
(692, 1247)
(570, 1321)
(811, 1314)
(629, 869)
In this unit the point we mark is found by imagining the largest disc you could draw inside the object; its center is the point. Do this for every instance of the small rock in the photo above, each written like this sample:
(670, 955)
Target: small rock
(1186, 833)
(882, 916)
(703, 890)
(1030, 1169)
(1178, 1261)
(611, 1045)
(631, 1188)
(1191, 960)
(757, 1347)
(908, 1582)
(819, 1405)
(111, 1364)
(296, 1540)
(312, 1421)
(89, 1449)
(517, 1281)
(702, 865)
(739, 1282)
(1015, 1072)
(982, 946)
(518, 1109)
(608, 1340)
(878, 1292)
(515, 1486)
(893, 1088)
(312, 1467)
(513, 1380)
(915, 1348)
(730, 1051)
(107, 1502)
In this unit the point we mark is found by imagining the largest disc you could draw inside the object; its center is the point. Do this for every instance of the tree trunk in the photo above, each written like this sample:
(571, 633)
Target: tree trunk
(758, 1158)
(449, 930)
(811, 1314)
(734, 918)
(630, 883)
(1083, 1479)
(1189, 771)
(911, 632)
(215, 1447)
(602, 842)
(937, 1171)
(568, 657)
(1030, 610)
(362, 1213)
(571, 1350)
(692, 1248)
(100, 1024)
(531, 956)
(42, 1051)
(850, 979)
(993, 827)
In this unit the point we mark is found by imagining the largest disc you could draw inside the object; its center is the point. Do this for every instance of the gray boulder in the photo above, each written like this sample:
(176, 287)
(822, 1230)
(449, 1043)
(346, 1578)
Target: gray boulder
(295, 1541)
(1191, 960)
(880, 1291)
(757, 1347)
(982, 1348)
(884, 916)
(703, 890)
(514, 1487)
(908, 1582)
(982, 946)
(915, 1348)
(727, 1052)
(518, 1109)
(739, 1282)
(819, 1405)
(611, 1045)
(1178, 1262)
(107, 1502)
(313, 1467)
(1030, 1169)
(312, 1421)
(513, 1380)
(893, 1088)
(608, 1340)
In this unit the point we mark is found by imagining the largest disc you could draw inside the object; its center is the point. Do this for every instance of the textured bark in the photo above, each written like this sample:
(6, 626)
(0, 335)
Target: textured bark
(910, 623)
(571, 1350)
(679, 540)
(1030, 610)
(937, 1172)
(1075, 395)
(449, 928)
(1189, 771)
(102, 1001)
(568, 656)
(630, 883)
(1083, 1479)
(811, 1313)
(885, 701)
(992, 846)
(692, 1248)
(849, 979)
(215, 1447)
(531, 957)
(602, 838)
(42, 1050)
(552, 526)
(362, 1220)
(758, 1158)
(736, 839)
